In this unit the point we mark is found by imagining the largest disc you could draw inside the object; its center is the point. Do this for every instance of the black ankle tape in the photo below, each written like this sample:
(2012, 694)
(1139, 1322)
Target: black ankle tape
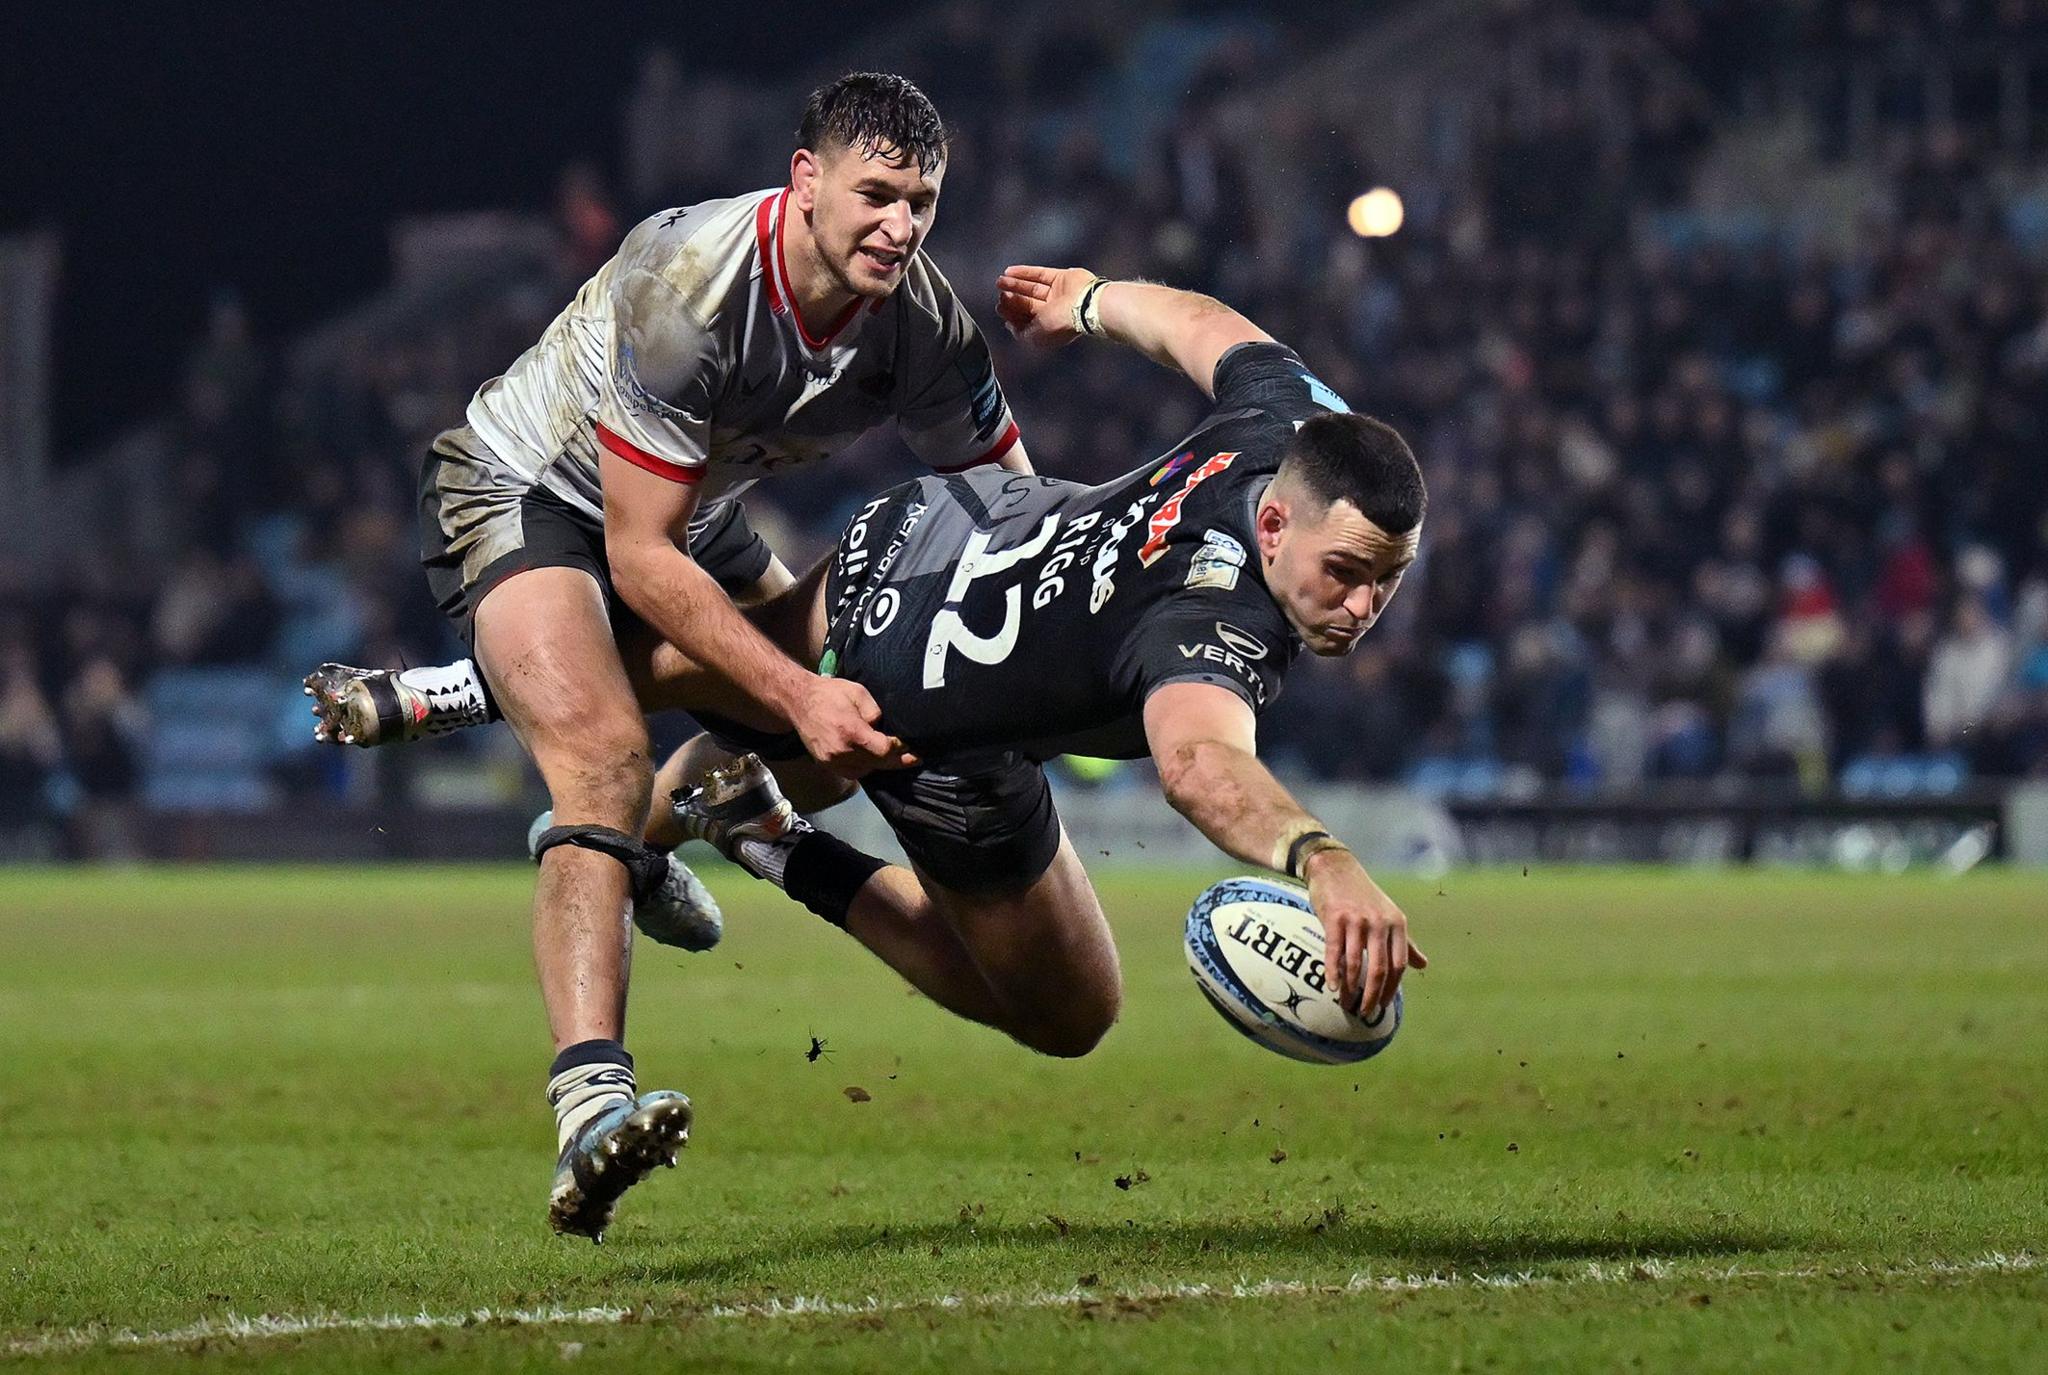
(825, 874)
(383, 690)
(646, 869)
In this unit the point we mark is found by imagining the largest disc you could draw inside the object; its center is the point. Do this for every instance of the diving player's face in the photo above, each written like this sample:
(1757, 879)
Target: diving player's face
(1333, 572)
(867, 214)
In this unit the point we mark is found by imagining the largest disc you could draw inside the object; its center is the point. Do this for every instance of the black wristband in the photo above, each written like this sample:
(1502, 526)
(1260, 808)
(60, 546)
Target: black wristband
(1294, 850)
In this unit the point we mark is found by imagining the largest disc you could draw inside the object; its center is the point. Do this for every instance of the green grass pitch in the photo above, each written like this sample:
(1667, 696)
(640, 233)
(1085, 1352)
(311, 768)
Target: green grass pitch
(1634, 1120)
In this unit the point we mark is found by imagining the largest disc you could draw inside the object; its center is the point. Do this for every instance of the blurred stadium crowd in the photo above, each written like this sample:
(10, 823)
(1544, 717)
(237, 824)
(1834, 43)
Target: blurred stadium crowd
(1730, 480)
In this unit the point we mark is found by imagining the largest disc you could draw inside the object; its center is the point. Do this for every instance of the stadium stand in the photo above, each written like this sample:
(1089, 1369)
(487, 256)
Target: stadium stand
(1721, 328)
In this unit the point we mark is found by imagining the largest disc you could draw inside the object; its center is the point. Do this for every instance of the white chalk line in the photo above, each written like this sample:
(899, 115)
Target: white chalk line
(1594, 1273)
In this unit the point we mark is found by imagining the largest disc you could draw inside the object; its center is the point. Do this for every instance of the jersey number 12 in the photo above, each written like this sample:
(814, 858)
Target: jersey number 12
(949, 632)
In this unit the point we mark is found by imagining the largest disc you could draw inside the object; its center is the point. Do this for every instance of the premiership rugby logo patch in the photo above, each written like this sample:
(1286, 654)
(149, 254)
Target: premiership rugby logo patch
(1168, 515)
(1216, 563)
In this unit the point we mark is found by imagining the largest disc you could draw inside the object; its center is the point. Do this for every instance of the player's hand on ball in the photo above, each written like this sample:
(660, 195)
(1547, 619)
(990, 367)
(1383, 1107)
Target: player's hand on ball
(836, 721)
(1366, 948)
(1037, 303)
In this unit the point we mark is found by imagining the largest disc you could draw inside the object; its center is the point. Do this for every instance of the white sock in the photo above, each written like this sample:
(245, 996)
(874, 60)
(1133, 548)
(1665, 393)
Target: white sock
(582, 1092)
(455, 692)
(768, 859)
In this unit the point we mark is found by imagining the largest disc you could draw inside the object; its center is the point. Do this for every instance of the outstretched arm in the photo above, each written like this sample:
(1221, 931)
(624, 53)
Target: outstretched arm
(1174, 328)
(1202, 738)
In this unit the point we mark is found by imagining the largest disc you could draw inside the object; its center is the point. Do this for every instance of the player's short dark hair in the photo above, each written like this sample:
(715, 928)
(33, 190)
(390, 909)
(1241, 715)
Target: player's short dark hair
(875, 112)
(1355, 458)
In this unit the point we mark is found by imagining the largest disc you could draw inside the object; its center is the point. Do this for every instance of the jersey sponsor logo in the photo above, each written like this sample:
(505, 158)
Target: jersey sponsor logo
(1168, 515)
(1102, 580)
(638, 398)
(881, 611)
(1240, 641)
(1236, 650)
(1217, 563)
(853, 543)
(861, 584)
(854, 554)
(1232, 655)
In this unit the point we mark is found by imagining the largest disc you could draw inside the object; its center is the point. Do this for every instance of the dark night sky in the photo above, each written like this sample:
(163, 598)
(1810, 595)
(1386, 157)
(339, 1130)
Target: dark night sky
(268, 146)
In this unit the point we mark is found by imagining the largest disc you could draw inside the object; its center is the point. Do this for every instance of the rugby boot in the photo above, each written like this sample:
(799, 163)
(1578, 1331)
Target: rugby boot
(373, 706)
(681, 912)
(737, 803)
(616, 1150)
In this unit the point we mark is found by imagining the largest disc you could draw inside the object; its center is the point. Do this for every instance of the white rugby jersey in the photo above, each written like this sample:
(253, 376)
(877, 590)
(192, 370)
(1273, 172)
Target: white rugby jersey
(686, 356)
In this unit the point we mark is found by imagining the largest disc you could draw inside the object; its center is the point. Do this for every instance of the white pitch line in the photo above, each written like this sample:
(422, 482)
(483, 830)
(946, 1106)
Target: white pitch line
(1594, 1273)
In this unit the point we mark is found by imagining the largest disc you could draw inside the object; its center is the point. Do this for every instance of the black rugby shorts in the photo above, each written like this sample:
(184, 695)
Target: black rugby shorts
(983, 830)
(476, 530)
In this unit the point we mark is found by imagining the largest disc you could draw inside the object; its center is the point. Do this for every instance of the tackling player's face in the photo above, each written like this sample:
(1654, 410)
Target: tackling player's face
(1334, 571)
(867, 213)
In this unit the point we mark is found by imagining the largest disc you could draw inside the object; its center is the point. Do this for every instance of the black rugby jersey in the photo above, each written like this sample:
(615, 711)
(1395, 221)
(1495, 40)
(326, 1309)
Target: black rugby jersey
(992, 611)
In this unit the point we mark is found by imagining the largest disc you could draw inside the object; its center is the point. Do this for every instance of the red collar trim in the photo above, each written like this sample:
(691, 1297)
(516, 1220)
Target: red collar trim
(764, 229)
(768, 225)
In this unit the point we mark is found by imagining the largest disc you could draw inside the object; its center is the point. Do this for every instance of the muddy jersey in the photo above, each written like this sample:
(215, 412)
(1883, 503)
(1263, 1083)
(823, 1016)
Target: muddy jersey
(685, 355)
(993, 611)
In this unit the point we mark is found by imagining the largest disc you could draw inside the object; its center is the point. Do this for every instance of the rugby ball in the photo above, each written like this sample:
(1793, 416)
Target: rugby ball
(1256, 949)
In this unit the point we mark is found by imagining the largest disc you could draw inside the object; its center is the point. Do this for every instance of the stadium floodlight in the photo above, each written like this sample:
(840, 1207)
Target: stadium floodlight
(1376, 214)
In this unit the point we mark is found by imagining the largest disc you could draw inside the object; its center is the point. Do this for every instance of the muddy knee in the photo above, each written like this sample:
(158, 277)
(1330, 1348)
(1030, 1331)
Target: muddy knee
(604, 778)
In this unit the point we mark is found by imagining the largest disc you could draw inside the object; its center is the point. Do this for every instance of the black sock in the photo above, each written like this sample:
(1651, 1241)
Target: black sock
(825, 874)
(598, 1052)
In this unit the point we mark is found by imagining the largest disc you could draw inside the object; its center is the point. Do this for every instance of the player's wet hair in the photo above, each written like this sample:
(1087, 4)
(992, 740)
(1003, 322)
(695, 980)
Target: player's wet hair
(1355, 458)
(875, 112)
